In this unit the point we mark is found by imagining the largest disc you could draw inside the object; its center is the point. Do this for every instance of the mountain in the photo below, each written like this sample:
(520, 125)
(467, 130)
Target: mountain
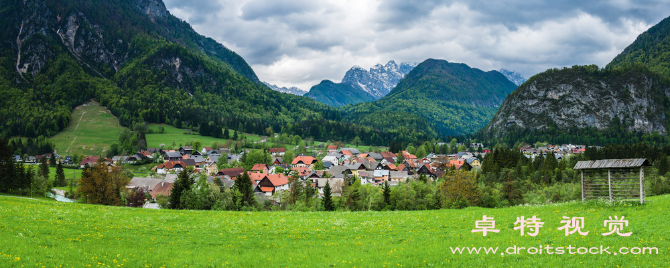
(651, 48)
(379, 80)
(292, 90)
(564, 101)
(137, 60)
(337, 94)
(513, 76)
(450, 97)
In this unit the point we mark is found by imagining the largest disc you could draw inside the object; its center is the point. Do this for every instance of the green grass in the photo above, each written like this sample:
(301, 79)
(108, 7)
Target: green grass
(44, 233)
(178, 136)
(91, 131)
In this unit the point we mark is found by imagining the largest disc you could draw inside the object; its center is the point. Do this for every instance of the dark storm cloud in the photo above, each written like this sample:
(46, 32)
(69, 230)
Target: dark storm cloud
(301, 42)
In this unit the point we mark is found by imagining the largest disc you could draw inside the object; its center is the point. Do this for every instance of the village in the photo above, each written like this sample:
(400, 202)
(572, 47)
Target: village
(329, 164)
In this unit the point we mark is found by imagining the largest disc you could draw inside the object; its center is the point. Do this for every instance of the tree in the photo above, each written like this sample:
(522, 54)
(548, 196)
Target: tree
(459, 186)
(421, 152)
(387, 194)
(662, 165)
(235, 137)
(327, 198)
(60, 175)
(357, 141)
(400, 159)
(197, 145)
(244, 186)
(44, 168)
(136, 198)
(52, 160)
(181, 185)
(102, 184)
(222, 162)
(226, 134)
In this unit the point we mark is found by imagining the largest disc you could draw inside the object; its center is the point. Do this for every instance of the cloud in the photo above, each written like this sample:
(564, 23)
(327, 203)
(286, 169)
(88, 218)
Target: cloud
(301, 42)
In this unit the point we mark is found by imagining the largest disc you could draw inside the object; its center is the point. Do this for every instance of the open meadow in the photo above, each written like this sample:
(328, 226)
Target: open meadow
(51, 234)
(179, 136)
(91, 131)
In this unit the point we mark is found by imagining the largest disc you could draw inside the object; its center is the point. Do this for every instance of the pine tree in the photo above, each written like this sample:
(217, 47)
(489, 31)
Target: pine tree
(327, 198)
(60, 175)
(387, 194)
(244, 185)
(226, 135)
(44, 168)
(662, 165)
(52, 160)
(181, 185)
(235, 136)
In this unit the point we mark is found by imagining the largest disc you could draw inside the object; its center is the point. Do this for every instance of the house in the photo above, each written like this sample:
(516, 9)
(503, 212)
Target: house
(336, 185)
(259, 168)
(189, 162)
(367, 177)
(30, 159)
(213, 158)
(331, 158)
(353, 151)
(390, 167)
(211, 168)
(269, 183)
(474, 162)
(206, 150)
(304, 161)
(277, 161)
(172, 156)
(176, 166)
(277, 151)
(398, 175)
(332, 148)
(231, 172)
(377, 156)
(163, 188)
(69, 160)
(89, 161)
(302, 172)
(17, 158)
(185, 150)
(117, 159)
(381, 176)
(148, 184)
(199, 160)
(375, 166)
(426, 170)
(132, 159)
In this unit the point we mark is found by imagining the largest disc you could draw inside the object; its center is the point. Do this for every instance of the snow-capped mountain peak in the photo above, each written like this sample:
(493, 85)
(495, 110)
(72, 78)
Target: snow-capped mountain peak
(291, 90)
(513, 76)
(379, 80)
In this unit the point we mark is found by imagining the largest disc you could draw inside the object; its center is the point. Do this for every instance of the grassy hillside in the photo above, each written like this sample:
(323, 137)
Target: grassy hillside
(651, 48)
(90, 132)
(44, 233)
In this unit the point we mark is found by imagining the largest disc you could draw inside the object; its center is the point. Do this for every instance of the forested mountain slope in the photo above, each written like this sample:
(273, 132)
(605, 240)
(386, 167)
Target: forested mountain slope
(451, 97)
(337, 94)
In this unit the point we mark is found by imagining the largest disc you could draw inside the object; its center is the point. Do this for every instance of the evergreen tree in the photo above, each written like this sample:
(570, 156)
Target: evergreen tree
(44, 168)
(387, 194)
(60, 175)
(662, 165)
(52, 160)
(226, 135)
(245, 187)
(181, 185)
(6, 166)
(327, 198)
(235, 136)
(400, 158)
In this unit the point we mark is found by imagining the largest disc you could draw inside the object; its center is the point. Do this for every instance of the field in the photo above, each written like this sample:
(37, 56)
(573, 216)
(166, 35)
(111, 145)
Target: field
(51, 234)
(91, 131)
(178, 136)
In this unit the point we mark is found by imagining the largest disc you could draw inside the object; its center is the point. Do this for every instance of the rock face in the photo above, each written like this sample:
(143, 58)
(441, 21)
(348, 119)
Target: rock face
(380, 80)
(582, 97)
(513, 76)
(292, 90)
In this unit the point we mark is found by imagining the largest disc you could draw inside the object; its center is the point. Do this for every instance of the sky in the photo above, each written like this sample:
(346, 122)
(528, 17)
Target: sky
(302, 42)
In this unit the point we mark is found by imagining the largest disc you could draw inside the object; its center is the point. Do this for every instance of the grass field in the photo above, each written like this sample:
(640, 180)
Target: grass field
(173, 134)
(91, 131)
(51, 234)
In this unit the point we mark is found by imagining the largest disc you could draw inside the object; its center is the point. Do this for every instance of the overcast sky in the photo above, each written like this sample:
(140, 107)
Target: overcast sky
(301, 42)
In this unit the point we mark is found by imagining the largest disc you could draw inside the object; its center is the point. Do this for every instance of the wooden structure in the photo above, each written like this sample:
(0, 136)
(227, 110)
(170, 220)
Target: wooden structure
(613, 178)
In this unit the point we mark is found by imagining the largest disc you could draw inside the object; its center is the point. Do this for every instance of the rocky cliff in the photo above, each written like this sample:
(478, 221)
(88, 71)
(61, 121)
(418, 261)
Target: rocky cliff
(379, 80)
(585, 97)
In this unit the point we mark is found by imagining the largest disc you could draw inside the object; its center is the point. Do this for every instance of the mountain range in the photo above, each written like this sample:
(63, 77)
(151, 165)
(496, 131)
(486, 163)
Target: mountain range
(452, 98)
(292, 90)
(513, 76)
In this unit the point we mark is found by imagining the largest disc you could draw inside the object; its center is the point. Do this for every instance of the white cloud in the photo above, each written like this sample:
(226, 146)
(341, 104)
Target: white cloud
(301, 42)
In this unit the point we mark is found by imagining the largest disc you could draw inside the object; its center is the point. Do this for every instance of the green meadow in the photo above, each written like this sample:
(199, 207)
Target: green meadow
(180, 136)
(91, 131)
(53, 234)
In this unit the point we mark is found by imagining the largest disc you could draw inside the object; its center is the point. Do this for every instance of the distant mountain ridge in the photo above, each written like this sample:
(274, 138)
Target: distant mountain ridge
(651, 48)
(513, 76)
(379, 80)
(292, 90)
(451, 97)
(337, 94)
